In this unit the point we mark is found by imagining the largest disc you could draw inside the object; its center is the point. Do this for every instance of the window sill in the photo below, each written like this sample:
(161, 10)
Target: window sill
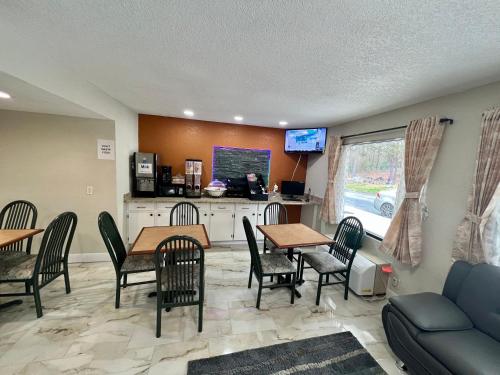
(373, 235)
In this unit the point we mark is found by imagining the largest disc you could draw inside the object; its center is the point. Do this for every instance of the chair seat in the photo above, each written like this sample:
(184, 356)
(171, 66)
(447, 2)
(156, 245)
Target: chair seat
(138, 263)
(463, 352)
(275, 250)
(275, 264)
(324, 262)
(16, 265)
(178, 277)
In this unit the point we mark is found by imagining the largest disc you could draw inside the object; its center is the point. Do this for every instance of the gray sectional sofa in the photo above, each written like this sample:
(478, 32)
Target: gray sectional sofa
(457, 332)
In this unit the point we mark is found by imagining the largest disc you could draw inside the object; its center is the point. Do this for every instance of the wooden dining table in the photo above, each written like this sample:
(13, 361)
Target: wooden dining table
(8, 237)
(291, 236)
(149, 237)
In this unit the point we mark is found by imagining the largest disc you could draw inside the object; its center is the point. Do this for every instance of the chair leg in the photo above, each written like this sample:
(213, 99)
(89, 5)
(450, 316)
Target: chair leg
(346, 290)
(259, 293)
(27, 287)
(118, 287)
(125, 280)
(200, 316)
(159, 297)
(320, 284)
(38, 302)
(294, 280)
(299, 262)
(66, 279)
(250, 277)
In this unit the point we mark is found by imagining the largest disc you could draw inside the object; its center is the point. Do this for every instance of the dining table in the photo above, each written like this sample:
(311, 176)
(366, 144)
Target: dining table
(291, 236)
(8, 237)
(150, 237)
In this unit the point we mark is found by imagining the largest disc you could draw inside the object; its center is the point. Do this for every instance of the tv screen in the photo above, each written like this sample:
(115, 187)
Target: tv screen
(305, 140)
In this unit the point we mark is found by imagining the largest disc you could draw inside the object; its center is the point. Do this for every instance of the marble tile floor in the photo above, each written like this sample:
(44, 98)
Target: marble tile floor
(83, 333)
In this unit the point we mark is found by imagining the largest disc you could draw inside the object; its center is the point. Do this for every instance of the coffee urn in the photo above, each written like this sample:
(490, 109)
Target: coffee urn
(193, 178)
(144, 174)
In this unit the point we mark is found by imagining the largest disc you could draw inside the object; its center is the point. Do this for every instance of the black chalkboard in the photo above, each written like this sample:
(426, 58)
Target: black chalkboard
(231, 162)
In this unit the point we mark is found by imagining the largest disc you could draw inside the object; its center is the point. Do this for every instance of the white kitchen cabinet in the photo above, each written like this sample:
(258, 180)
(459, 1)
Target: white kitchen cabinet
(162, 219)
(136, 221)
(260, 220)
(221, 222)
(205, 220)
(248, 210)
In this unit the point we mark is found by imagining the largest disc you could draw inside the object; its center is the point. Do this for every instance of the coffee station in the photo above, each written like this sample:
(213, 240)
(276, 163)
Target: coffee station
(221, 204)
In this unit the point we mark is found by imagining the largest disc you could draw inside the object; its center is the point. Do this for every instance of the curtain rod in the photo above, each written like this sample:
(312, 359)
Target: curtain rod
(441, 121)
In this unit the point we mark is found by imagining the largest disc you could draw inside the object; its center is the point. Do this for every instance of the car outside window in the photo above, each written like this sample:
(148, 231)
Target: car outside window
(373, 172)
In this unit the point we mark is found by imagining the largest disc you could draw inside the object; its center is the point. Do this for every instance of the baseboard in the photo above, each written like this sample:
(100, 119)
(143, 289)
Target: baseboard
(88, 257)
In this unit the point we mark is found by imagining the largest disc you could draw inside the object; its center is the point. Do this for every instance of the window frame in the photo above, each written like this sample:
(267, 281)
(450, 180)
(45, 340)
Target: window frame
(390, 135)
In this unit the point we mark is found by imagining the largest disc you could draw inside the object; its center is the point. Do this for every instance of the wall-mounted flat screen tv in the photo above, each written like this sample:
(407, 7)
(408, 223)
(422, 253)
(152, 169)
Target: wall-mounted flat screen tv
(305, 140)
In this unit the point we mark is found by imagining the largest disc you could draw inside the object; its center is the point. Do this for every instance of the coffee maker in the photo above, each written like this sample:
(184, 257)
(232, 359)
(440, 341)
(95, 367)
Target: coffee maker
(193, 178)
(165, 181)
(144, 174)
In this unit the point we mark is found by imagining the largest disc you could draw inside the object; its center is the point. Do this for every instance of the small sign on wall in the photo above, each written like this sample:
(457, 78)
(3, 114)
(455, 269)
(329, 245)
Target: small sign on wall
(105, 149)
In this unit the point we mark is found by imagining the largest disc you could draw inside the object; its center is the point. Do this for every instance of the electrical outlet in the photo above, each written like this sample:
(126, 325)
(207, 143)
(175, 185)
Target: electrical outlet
(90, 190)
(395, 282)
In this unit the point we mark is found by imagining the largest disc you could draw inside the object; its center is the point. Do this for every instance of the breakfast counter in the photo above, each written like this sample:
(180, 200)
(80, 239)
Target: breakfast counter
(206, 199)
(222, 217)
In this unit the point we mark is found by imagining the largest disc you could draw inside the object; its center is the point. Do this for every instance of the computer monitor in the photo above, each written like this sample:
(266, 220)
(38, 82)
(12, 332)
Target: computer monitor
(292, 189)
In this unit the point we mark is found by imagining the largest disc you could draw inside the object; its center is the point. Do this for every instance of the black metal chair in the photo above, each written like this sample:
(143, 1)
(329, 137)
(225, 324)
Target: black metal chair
(268, 265)
(38, 270)
(123, 264)
(184, 213)
(18, 215)
(338, 260)
(180, 276)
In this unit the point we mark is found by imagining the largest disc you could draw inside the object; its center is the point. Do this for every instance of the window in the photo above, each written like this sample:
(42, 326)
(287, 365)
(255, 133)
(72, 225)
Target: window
(372, 179)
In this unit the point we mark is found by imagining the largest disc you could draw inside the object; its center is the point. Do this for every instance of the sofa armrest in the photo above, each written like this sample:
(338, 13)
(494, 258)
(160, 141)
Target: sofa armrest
(431, 312)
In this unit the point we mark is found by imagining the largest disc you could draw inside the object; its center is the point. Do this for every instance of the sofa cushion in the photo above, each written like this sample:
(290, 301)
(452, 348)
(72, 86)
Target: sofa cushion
(432, 312)
(463, 352)
(479, 298)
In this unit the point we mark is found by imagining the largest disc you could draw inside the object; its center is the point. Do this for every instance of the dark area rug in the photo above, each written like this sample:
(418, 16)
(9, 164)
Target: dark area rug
(340, 353)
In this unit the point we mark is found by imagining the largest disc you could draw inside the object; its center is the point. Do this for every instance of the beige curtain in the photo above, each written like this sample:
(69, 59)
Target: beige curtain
(473, 242)
(329, 208)
(403, 239)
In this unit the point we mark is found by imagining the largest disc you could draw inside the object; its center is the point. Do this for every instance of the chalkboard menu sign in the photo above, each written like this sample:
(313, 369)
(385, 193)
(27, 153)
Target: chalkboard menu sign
(231, 162)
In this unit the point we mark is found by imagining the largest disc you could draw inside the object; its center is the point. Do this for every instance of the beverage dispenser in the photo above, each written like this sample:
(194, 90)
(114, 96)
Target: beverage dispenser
(193, 178)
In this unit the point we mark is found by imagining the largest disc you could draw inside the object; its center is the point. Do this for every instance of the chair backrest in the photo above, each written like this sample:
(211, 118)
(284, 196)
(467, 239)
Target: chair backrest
(252, 245)
(18, 215)
(275, 213)
(55, 246)
(184, 213)
(183, 259)
(347, 240)
(112, 239)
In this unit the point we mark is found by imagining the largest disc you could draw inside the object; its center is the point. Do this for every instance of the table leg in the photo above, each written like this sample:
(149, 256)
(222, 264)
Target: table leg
(288, 278)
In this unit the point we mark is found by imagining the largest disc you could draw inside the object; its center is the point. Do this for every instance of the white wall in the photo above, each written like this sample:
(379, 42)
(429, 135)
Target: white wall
(46, 72)
(449, 184)
(49, 160)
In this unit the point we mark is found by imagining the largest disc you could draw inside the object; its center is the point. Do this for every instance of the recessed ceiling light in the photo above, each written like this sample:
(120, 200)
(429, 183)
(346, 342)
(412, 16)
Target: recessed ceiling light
(4, 95)
(238, 118)
(189, 112)
(283, 123)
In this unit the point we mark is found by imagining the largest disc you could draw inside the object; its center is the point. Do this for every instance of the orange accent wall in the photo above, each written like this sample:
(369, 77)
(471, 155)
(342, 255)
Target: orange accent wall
(178, 139)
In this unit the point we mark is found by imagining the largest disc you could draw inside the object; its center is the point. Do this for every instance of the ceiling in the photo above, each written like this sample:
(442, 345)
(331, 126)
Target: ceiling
(310, 63)
(29, 98)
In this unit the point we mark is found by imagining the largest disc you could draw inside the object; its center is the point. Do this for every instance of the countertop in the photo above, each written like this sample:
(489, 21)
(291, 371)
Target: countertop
(204, 199)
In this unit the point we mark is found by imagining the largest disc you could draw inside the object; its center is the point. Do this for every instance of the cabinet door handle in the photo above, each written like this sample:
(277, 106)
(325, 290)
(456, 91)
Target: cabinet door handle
(205, 214)
(253, 214)
(159, 214)
(150, 214)
(212, 214)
